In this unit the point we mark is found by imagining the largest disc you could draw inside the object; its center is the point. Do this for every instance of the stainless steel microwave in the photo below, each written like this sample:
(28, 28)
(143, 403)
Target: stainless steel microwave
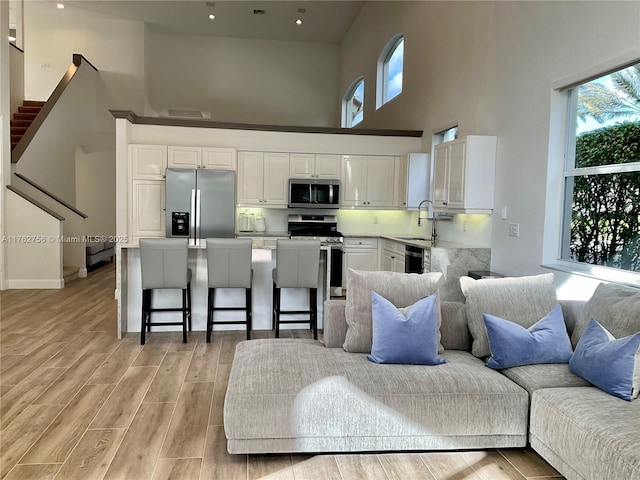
(314, 193)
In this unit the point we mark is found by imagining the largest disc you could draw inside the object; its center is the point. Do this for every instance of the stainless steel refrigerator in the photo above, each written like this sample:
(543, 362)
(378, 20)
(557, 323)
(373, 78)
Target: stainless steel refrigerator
(200, 204)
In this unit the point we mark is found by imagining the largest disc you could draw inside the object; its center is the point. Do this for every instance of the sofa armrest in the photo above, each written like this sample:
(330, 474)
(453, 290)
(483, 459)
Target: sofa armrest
(335, 323)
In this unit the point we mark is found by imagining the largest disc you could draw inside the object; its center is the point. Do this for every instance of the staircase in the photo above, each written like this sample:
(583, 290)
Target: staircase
(23, 118)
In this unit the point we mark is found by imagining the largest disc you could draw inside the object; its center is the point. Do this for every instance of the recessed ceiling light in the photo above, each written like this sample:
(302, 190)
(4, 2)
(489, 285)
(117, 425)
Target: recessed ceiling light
(298, 22)
(60, 5)
(211, 16)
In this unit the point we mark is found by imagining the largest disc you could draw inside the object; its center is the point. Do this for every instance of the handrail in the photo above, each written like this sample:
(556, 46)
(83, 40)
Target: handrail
(33, 201)
(205, 123)
(22, 145)
(51, 195)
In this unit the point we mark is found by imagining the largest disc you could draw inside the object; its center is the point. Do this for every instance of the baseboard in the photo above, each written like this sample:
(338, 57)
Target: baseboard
(17, 284)
(82, 273)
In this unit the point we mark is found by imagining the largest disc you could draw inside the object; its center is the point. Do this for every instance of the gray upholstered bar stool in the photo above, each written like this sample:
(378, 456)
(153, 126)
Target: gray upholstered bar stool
(164, 265)
(229, 266)
(297, 264)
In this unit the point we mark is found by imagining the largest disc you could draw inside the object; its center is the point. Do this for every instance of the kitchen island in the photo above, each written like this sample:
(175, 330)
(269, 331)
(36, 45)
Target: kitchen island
(129, 290)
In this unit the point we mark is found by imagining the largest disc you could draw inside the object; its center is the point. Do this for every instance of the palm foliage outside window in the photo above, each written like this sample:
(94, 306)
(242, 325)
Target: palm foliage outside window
(602, 174)
(353, 104)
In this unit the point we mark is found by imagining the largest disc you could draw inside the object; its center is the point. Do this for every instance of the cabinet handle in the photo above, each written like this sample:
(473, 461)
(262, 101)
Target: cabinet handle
(444, 203)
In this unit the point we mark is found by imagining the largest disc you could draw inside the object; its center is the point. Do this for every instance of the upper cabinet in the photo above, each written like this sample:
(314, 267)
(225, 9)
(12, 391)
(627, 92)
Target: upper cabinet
(368, 181)
(412, 180)
(201, 157)
(148, 162)
(263, 179)
(464, 175)
(310, 165)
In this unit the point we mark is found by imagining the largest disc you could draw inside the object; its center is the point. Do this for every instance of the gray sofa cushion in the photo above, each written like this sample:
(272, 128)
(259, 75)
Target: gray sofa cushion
(615, 307)
(94, 247)
(586, 433)
(550, 375)
(401, 289)
(285, 397)
(522, 300)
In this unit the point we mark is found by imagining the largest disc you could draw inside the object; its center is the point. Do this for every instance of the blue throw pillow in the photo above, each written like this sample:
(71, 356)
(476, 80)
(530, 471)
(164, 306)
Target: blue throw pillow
(611, 365)
(411, 339)
(512, 345)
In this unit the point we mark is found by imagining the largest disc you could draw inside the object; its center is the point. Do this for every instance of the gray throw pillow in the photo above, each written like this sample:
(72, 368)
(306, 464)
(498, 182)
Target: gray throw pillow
(523, 300)
(615, 307)
(401, 289)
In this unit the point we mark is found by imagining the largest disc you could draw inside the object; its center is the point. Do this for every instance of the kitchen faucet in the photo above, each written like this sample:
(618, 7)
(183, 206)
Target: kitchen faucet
(434, 235)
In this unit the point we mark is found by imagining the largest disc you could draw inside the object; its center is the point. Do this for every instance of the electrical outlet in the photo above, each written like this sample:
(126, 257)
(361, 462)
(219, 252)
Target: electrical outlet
(514, 229)
(376, 219)
(464, 226)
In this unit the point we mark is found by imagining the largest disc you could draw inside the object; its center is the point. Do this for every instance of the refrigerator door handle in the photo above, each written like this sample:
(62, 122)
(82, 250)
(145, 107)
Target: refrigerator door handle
(192, 220)
(198, 225)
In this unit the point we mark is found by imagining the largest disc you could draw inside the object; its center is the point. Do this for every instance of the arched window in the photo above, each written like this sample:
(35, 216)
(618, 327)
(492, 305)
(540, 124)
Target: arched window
(390, 67)
(353, 104)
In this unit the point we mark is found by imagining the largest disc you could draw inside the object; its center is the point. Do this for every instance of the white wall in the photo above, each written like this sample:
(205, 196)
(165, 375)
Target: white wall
(243, 80)
(489, 67)
(17, 78)
(32, 264)
(115, 47)
(96, 190)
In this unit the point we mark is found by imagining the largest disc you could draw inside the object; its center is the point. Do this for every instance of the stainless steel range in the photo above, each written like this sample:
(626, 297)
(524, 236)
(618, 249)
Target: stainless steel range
(325, 229)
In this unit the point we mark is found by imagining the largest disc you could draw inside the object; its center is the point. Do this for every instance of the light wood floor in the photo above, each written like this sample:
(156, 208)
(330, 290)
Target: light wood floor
(77, 403)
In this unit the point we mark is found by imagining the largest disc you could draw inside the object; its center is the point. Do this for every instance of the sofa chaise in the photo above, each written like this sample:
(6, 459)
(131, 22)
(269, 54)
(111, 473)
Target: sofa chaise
(288, 395)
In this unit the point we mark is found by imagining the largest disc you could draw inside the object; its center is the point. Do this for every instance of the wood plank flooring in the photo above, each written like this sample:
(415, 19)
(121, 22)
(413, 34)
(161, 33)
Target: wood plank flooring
(77, 403)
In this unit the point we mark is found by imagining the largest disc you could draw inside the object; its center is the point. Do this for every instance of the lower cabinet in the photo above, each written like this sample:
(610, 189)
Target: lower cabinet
(392, 258)
(359, 254)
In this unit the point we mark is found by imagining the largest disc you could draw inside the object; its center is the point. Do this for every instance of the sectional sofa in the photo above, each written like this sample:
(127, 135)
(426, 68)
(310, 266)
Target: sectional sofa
(288, 395)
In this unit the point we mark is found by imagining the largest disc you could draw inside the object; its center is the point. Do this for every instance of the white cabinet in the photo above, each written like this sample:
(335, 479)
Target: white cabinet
(400, 187)
(368, 181)
(310, 165)
(263, 179)
(464, 175)
(147, 209)
(392, 257)
(201, 157)
(148, 162)
(359, 254)
(147, 186)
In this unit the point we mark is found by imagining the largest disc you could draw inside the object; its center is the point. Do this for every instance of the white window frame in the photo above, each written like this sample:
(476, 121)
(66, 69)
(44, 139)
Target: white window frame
(346, 103)
(382, 83)
(562, 129)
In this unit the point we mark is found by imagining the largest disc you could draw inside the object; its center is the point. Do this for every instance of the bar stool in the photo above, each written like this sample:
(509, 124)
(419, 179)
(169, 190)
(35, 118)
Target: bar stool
(297, 264)
(163, 263)
(229, 266)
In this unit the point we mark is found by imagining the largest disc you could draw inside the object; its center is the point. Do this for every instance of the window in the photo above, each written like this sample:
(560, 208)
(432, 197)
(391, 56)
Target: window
(390, 68)
(353, 104)
(601, 212)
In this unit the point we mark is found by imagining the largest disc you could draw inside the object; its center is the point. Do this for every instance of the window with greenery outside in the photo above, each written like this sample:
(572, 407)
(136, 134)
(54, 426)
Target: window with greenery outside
(602, 178)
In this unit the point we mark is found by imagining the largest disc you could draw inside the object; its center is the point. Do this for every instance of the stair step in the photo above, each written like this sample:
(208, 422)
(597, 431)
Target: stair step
(18, 130)
(20, 123)
(34, 110)
(15, 138)
(33, 103)
(24, 116)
